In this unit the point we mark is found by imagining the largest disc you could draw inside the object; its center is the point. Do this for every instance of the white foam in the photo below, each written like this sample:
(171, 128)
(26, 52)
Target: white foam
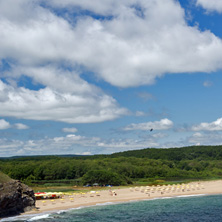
(63, 211)
(191, 195)
(104, 204)
(166, 197)
(16, 218)
(39, 217)
(32, 217)
(9, 219)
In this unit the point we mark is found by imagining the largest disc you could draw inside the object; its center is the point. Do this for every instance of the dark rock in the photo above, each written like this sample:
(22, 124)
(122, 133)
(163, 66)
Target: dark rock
(15, 198)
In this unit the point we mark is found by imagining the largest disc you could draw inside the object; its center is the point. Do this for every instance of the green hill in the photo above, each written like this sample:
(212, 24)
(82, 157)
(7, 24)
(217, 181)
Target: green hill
(173, 154)
(194, 162)
(176, 154)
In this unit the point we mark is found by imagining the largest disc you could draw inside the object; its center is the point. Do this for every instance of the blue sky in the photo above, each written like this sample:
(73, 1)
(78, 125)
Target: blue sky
(93, 77)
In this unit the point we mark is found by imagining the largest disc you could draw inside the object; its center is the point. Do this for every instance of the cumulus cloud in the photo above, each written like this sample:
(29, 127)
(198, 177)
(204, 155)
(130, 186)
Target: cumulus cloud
(132, 43)
(139, 42)
(213, 126)
(210, 5)
(163, 124)
(69, 130)
(4, 124)
(72, 144)
(205, 138)
(140, 113)
(21, 126)
(50, 104)
(78, 144)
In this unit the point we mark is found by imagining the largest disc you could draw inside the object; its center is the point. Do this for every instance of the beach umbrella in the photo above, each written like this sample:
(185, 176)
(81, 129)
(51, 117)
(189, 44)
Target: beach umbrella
(40, 195)
(44, 202)
(53, 201)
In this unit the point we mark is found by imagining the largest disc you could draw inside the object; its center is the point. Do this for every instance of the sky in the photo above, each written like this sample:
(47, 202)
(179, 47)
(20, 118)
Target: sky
(93, 77)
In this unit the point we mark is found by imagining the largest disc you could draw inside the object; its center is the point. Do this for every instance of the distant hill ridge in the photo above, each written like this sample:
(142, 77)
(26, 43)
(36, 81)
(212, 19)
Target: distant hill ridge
(41, 157)
(183, 153)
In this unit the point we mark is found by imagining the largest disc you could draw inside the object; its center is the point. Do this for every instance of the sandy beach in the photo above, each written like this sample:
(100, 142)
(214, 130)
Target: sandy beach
(126, 194)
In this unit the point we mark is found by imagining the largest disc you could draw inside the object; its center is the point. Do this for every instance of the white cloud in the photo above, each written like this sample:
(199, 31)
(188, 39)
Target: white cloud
(140, 113)
(49, 104)
(74, 144)
(69, 130)
(213, 126)
(205, 139)
(163, 124)
(77, 144)
(4, 124)
(97, 6)
(21, 126)
(134, 47)
(210, 5)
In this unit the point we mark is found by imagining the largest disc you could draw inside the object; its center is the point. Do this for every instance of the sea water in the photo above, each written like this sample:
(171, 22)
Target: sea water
(182, 208)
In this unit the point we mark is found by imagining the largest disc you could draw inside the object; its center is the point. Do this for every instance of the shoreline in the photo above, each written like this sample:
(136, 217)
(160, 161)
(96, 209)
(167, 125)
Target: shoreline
(124, 195)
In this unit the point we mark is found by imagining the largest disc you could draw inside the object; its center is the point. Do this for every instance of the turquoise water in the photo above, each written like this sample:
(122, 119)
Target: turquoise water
(186, 208)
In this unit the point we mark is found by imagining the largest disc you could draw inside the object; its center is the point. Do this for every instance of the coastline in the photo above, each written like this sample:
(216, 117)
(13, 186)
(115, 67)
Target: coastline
(125, 195)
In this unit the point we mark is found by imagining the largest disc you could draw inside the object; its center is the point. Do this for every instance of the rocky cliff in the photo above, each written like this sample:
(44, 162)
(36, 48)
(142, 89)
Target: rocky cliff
(15, 198)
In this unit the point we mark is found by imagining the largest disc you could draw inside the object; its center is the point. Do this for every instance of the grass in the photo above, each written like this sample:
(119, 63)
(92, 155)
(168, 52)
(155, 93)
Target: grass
(61, 187)
(4, 178)
(75, 189)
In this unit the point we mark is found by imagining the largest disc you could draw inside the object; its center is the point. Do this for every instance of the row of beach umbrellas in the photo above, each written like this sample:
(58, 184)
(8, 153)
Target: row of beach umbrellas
(168, 188)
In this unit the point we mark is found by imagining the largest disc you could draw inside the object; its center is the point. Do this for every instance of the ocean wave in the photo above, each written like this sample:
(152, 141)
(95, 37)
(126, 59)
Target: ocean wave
(166, 197)
(104, 204)
(39, 217)
(191, 195)
(16, 218)
(26, 218)
(63, 211)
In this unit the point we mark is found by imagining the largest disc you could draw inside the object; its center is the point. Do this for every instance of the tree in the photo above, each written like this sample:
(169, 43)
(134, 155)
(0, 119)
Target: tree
(102, 177)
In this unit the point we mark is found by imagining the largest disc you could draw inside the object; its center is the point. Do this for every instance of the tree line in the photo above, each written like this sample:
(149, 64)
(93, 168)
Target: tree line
(120, 168)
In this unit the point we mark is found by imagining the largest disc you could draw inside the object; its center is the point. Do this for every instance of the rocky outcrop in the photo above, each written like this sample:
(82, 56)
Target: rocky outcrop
(15, 198)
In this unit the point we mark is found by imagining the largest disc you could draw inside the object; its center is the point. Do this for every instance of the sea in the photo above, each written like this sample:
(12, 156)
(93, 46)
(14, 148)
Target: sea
(191, 208)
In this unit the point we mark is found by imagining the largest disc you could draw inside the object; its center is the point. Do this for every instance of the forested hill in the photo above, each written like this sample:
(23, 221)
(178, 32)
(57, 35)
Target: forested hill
(185, 153)
(119, 168)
